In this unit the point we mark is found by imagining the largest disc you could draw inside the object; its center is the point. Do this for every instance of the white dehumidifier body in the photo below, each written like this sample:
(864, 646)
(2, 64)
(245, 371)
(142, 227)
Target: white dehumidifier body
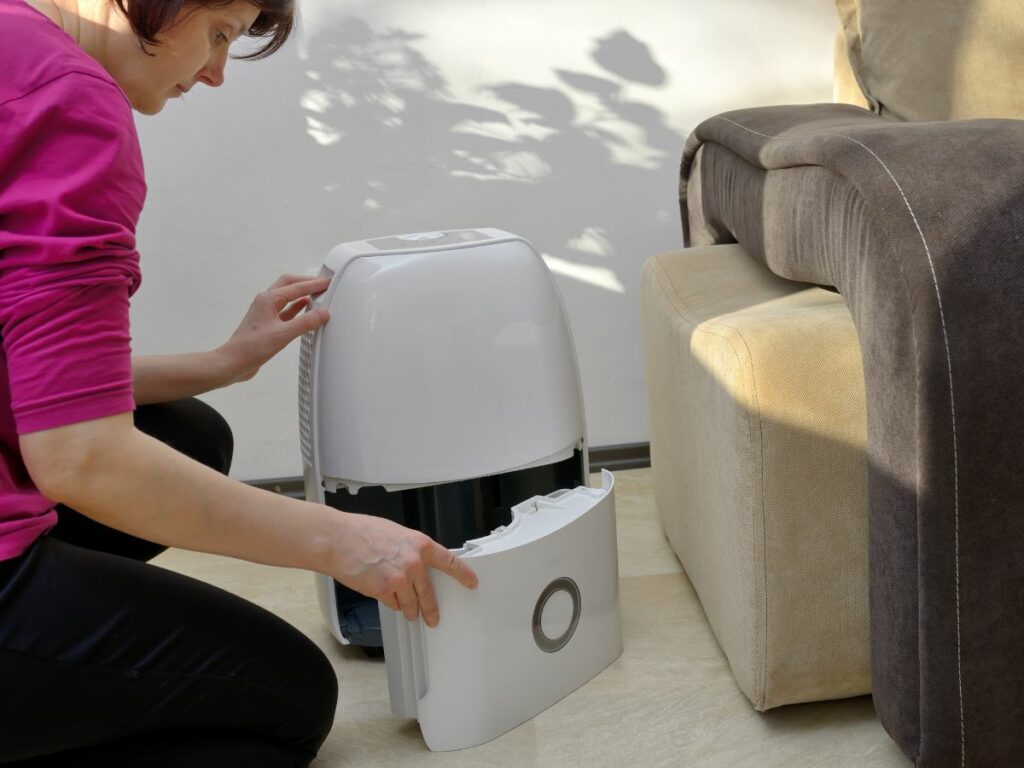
(444, 395)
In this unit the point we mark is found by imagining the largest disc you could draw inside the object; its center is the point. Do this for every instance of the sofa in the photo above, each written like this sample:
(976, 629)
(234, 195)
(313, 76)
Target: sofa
(835, 379)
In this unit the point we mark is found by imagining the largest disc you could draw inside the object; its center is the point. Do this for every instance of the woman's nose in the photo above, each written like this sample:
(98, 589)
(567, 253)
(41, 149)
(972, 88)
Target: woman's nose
(213, 73)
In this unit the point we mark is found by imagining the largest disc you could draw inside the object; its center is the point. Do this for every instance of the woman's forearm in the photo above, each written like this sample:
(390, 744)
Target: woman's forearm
(136, 484)
(164, 378)
(275, 319)
(124, 479)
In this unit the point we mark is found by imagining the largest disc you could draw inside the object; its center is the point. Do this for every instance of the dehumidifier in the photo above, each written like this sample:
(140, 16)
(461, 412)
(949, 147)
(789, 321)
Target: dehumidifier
(444, 395)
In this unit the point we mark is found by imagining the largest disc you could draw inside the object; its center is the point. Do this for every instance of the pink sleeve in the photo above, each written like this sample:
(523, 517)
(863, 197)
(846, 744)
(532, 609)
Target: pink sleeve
(71, 190)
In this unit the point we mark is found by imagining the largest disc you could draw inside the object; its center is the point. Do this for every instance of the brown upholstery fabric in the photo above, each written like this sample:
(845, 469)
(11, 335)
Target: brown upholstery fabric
(921, 228)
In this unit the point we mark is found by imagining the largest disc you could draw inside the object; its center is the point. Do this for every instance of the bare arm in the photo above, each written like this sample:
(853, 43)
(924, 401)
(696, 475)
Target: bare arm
(163, 378)
(111, 472)
(273, 320)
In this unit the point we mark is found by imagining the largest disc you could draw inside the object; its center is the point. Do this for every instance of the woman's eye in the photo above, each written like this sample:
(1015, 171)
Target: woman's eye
(221, 36)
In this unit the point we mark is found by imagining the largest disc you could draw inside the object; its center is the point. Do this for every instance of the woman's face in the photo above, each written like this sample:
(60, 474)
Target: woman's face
(193, 49)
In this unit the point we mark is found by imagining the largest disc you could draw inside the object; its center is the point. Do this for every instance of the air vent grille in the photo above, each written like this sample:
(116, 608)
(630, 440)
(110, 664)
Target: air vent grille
(306, 398)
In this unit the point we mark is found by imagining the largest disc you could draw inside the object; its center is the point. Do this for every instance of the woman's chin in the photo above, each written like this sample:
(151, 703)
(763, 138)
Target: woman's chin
(150, 105)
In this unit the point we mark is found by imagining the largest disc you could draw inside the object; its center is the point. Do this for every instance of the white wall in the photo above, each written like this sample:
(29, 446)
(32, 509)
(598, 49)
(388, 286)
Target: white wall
(560, 120)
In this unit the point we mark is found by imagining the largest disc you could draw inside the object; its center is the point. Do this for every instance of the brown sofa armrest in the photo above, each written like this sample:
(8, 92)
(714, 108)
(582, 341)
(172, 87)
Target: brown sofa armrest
(920, 226)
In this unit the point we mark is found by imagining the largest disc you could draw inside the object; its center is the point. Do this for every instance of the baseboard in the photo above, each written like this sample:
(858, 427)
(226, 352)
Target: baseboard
(618, 457)
(293, 487)
(611, 457)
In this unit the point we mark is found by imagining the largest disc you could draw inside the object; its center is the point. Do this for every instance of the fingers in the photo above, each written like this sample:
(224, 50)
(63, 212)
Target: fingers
(448, 562)
(417, 599)
(305, 287)
(427, 600)
(392, 563)
(414, 595)
(294, 308)
(284, 280)
(306, 321)
(408, 603)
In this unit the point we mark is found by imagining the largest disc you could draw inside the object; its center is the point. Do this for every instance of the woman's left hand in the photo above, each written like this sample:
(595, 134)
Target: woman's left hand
(274, 319)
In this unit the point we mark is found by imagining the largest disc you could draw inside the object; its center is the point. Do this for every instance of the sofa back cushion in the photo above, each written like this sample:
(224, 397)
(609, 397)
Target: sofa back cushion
(935, 59)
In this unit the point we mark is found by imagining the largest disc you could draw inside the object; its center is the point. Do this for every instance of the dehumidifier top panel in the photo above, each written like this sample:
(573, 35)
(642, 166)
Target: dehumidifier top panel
(442, 364)
(341, 255)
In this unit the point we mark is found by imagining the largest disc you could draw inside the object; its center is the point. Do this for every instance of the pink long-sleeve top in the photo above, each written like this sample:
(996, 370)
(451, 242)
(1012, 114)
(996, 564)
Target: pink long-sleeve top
(71, 191)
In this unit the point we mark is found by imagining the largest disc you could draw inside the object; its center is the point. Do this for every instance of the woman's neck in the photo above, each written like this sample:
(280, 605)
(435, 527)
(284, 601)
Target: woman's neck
(87, 22)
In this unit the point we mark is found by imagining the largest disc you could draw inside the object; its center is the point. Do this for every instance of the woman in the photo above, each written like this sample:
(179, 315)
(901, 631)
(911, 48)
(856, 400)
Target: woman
(105, 660)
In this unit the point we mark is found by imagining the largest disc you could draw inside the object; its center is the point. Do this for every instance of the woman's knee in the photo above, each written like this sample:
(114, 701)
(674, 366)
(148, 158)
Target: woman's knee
(317, 690)
(191, 427)
(324, 706)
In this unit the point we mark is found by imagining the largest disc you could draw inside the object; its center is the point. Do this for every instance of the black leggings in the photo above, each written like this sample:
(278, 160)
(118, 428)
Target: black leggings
(108, 661)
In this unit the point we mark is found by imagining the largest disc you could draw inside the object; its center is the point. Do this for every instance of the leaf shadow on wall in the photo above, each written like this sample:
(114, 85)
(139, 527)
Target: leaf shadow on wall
(574, 169)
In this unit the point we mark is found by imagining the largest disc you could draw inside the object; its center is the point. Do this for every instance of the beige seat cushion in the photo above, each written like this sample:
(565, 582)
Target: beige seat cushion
(758, 450)
(937, 59)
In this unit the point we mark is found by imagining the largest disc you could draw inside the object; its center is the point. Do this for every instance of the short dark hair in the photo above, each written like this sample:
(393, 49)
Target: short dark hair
(149, 17)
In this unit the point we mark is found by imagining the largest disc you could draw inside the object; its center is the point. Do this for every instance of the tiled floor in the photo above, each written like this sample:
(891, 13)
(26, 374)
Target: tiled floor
(669, 700)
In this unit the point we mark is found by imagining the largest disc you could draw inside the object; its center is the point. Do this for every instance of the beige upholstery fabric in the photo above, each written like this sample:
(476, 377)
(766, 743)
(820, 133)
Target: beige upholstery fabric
(760, 472)
(845, 89)
(937, 59)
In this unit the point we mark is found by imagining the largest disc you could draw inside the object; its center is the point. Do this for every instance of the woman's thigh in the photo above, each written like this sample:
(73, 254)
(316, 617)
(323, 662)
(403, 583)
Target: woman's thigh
(96, 648)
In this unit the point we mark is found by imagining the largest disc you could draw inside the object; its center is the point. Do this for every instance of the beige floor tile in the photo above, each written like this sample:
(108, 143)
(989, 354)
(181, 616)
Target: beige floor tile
(669, 700)
(643, 548)
(380, 740)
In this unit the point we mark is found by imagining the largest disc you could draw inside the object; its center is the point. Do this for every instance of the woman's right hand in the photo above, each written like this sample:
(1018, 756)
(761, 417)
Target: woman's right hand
(387, 561)
(274, 319)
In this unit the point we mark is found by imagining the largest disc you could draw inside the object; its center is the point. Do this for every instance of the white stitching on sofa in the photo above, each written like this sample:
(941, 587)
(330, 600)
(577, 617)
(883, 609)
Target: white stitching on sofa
(952, 406)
